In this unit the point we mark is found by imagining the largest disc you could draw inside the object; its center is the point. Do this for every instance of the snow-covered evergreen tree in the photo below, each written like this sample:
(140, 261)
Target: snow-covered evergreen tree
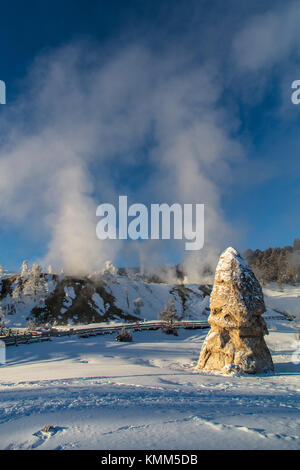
(17, 293)
(36, 270)
(35, 285)
(169, 314)
(138, 303)
(25, 270)
(9, 307)
(109, 269)
(30, 325)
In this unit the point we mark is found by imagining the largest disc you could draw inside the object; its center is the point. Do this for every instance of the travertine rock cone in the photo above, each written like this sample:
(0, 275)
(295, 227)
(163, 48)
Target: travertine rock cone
(235, 341)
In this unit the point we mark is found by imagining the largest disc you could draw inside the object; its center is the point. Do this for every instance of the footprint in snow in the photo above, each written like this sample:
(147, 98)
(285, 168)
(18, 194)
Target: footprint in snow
(44, 434)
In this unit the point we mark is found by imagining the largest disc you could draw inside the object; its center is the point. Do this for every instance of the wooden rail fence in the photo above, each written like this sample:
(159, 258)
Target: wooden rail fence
(12, 337)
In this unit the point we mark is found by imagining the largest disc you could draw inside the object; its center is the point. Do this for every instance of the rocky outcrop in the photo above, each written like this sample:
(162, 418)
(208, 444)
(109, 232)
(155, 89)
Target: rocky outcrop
(235, 341)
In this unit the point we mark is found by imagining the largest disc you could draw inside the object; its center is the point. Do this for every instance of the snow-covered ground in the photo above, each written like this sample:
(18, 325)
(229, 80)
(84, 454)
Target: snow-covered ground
(287, 299)
(102, 394)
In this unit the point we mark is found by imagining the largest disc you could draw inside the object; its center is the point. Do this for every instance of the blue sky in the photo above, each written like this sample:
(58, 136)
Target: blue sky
(245, 55)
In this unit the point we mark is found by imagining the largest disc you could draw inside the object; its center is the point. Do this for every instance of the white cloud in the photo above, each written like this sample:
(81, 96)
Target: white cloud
(268, 38)
(86, 112)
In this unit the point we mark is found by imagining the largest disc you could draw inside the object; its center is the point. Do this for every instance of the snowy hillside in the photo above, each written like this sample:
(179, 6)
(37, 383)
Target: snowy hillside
(109, 296)
(286, 299)
(112, 295)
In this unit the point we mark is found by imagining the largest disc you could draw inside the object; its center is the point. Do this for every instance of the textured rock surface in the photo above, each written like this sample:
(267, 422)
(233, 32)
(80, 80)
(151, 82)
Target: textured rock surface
(235, 341)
